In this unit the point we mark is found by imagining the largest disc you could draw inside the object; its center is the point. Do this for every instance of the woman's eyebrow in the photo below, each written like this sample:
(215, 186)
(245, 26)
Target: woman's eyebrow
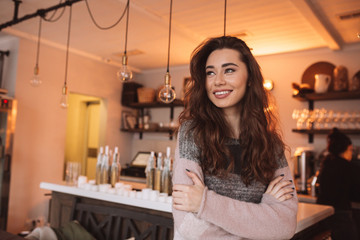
(229, 64)
(210, 66)
(223, 65)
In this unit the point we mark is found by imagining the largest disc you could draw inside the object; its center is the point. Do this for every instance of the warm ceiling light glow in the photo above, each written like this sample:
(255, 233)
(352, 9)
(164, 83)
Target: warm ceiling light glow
(268, 84)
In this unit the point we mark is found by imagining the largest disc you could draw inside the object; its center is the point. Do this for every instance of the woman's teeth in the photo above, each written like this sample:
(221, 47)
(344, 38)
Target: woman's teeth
(222, 92)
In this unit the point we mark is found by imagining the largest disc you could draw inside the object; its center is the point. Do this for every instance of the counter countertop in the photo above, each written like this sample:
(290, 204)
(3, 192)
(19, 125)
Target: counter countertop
(136, 202)
(308, 213)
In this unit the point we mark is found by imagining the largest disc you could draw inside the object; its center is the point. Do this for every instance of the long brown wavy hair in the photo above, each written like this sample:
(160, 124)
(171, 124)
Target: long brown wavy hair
(259, 138)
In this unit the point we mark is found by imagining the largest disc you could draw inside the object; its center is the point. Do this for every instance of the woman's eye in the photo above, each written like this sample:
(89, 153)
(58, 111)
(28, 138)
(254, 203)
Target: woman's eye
(210, 73)
(229, 70)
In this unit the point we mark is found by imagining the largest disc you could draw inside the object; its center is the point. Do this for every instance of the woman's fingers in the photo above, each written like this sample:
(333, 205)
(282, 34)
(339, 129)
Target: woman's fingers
(280, 186)
(284, 193)
(280, 189)
(188, 197)
(273, 183)
(196, 180)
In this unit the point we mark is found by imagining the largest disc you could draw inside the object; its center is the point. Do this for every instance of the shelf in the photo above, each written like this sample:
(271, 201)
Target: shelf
(169, 130)
(351, 95)
(159, 130)
(175, 103)
(142, 106)
(326, 131)
(329, 96)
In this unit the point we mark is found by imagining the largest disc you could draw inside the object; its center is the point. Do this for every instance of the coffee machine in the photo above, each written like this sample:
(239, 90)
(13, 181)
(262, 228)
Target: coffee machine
(304, 168)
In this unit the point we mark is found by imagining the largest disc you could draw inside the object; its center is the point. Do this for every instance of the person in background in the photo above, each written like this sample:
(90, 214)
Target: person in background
(339, 185)
(230, 177)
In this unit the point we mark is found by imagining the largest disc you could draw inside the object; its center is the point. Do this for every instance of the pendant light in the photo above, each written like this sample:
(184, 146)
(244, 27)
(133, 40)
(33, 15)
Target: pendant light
(124, 74)
(36, 81)
(64, 94)
(167, 93)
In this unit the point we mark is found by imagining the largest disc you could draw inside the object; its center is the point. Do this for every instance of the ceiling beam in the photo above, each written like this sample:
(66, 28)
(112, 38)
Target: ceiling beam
(308, 11)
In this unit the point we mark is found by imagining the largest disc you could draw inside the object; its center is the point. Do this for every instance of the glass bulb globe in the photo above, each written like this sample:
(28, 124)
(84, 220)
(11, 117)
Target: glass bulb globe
(35, 81)
(167, 94)
(64, 98)
(124, 74)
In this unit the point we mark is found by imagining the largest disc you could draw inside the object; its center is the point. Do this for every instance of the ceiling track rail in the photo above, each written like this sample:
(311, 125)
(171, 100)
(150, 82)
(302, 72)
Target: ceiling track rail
(39, 12)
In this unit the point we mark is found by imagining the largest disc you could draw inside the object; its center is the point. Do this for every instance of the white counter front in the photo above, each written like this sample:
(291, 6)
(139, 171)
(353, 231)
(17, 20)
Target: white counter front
(308, 214)
(131, 201)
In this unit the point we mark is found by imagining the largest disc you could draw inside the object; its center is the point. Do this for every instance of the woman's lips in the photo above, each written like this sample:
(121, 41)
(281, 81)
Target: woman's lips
(222, 94)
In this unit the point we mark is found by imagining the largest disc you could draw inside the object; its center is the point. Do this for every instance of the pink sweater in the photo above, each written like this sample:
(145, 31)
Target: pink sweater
(223, 217)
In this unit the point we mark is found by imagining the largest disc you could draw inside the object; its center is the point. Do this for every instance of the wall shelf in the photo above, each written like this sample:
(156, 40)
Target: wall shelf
(329, 96)
(175, 103)
(142, 106)
(326, 131)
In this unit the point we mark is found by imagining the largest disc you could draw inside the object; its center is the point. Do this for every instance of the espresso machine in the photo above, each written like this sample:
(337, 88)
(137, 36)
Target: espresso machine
(304, 168)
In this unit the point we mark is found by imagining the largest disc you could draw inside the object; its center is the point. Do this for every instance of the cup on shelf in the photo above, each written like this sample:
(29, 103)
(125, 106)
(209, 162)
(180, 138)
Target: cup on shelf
(72, 172)
(322, 82)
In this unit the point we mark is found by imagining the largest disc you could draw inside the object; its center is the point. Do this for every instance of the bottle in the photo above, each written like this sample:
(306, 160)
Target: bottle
(114, 171)
(158, 171)
(146, 119)
(149, 171)
(98, 166)
(166, 173)
(105, 167)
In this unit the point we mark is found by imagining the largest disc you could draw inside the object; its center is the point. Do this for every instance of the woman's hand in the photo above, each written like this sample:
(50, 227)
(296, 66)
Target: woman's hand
(281, 190)
(188, 197)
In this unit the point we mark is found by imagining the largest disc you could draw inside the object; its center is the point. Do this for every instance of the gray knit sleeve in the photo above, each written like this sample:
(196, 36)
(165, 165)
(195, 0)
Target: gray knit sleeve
(282, 162)
(187, 146)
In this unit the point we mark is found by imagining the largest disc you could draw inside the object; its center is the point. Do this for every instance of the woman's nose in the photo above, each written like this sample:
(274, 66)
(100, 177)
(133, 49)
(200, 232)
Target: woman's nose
(220, 79)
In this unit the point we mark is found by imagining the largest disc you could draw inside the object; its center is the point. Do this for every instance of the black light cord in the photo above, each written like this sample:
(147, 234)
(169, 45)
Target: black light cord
(67, 46)
(38, 44)
(225, 18)
(168, 60)
(51, 19)
(127, 24)
(111, 26)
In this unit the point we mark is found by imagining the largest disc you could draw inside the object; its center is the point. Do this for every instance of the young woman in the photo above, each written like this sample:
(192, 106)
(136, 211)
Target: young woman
(231, 179)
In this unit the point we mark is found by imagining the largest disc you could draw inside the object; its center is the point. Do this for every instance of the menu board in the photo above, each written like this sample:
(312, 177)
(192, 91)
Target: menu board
(141, 159)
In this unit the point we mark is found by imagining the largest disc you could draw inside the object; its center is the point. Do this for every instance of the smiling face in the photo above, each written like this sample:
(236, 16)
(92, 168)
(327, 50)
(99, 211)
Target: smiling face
(226, 79)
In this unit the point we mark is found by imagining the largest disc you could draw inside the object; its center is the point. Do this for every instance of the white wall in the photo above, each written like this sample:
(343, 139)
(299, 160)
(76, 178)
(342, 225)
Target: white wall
(283, 69)
(39, 144)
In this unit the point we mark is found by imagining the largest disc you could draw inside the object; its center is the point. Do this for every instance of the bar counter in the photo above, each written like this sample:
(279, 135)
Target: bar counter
(309, 215)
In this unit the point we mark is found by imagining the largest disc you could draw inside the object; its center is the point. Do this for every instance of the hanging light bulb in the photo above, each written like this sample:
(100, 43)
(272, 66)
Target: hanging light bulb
(36, 81)
(64, 97)
(167, 93)
(124, 74)
(64, 93)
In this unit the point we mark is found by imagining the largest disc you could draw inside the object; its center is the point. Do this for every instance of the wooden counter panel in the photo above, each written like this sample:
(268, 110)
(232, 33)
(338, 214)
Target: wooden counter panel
(107, 220)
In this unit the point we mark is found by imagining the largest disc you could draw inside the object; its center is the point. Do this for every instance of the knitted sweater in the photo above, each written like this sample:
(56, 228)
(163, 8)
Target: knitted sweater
(230, 209)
